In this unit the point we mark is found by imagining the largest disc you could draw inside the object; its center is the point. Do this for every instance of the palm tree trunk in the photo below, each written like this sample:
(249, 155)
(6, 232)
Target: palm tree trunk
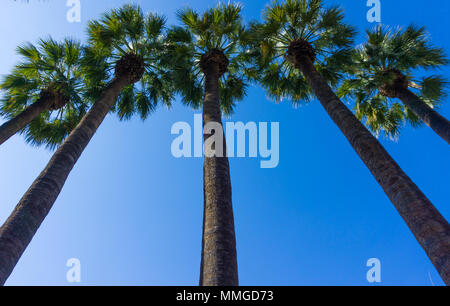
(219, 260)
(17, 123)
(22, 224)
(432, 118)
(429, 227)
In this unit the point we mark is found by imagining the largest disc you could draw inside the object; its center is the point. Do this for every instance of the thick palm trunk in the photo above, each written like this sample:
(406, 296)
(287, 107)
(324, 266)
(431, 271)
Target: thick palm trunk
(11, 127)
(22, 224)
(219, 261)
(429, 116)
(429, 227)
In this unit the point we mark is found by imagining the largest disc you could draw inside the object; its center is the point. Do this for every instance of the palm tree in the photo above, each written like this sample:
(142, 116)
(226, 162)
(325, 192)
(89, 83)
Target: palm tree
(133, 43)
(207, 57)
(301, 45)
(384, 70)
(45, 94)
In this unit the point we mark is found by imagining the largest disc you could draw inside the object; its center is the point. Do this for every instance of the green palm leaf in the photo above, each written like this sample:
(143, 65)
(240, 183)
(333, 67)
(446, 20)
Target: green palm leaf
(55, 66)
(294, 20)
(408, 52)
(219, 28)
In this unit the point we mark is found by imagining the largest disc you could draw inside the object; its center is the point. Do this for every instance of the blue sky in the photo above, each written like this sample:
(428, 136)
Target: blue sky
(132, 213)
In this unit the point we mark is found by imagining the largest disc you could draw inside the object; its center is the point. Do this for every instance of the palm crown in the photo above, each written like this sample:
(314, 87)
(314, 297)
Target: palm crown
(122, 38)
(221, 30)
(305, 24)
(48, 68)
(391, 56)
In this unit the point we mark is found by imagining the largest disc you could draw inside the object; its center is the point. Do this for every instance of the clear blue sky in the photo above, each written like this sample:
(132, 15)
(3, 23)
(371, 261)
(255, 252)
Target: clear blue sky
(132, 213)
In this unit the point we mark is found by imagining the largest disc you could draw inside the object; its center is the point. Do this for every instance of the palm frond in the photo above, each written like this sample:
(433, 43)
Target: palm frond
(408, 51)
(221, 28)
(291, 20)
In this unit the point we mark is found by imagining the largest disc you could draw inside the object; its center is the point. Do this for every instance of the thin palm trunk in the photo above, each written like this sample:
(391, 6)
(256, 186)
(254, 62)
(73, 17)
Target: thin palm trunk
(219, 260)
(429, 227)
(30, 212)
(14, 125)
(429, 116)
